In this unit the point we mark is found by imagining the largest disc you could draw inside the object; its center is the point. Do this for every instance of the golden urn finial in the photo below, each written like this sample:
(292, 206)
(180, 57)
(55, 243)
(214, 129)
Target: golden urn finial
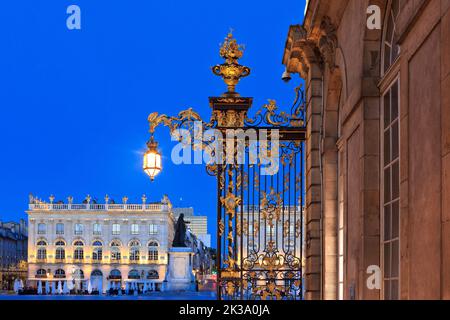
(231, 71)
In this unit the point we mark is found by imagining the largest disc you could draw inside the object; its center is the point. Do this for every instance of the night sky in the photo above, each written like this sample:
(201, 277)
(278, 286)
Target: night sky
(74, 103)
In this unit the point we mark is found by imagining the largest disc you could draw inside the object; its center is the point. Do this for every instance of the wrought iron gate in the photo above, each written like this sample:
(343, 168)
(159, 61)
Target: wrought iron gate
(260, 216)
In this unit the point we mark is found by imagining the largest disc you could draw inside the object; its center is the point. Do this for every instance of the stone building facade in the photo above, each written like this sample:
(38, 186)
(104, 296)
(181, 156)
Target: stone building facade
(378, 147)
(13, 253)
(107, 244)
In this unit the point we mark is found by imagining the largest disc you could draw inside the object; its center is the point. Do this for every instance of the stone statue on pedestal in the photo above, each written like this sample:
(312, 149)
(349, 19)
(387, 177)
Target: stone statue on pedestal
(179, 240)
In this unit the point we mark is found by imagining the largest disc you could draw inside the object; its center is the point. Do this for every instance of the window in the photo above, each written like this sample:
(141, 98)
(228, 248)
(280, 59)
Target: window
(42, 250)
(133, 274)
(96, 273)
(59, 228)
(134, 250)
(42, 253)
(41, 243)
(97, 229)
(115, 254)
(116, 229)
(41, 273)
(60, 254)
(60, 243)
(78, 254)
(134, 228)
(391, 48)
(153, 229)
(153, 251)
(60, 273)
(115, 274)
(79, 251)
(97, 254)
(341, 225)
(79, 229)
(134, 254)
(391, 193)
(42, 228)
(97, 244)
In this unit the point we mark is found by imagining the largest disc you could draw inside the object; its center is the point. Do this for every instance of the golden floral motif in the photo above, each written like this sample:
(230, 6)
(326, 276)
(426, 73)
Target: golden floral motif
(271, 205)
(221, 227)
(230, 202)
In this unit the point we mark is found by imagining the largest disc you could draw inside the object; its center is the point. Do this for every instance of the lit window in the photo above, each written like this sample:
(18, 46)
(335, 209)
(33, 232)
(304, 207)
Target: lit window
(97, 254)
(153, 251)
(60, 254)
(134, 228)
(115, 254)
(79, 251)
(59, 228)
(42, 254)
(116, 229)
(153, 229)
(134, 254)
(78, 254)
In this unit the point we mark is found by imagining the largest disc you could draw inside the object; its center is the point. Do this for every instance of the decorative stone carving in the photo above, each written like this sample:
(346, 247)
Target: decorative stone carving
(300, 52)
(328, 42)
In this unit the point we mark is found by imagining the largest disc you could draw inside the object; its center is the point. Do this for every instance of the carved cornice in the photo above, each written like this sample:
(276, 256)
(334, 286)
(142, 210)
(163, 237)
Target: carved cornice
(328, 42)
(302, 50)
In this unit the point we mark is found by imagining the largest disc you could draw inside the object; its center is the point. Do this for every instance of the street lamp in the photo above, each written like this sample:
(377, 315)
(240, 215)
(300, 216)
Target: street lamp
(152, 159)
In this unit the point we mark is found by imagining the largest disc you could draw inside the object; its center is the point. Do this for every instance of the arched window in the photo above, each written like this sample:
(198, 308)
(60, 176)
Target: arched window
(97, 243)
(115, 254)
(42, 243)
(135, 243)
(115, 243)
(134, 250)
(41, 273)
(60, 273)
(96, 273)
(152, 274)
(60, 254)
(97, 252)
(115, 274)
(153, 251)
(390, 44)
(78, 274)
(133, 274)
(134, 254)
(42, 228)
(60, 243)
(78, 254)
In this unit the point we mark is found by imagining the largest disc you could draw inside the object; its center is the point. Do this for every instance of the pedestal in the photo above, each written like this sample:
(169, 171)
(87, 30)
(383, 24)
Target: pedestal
(179, 275)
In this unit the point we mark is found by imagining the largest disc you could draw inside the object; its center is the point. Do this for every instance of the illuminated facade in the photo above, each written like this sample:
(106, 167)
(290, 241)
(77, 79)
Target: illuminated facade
(104, 244)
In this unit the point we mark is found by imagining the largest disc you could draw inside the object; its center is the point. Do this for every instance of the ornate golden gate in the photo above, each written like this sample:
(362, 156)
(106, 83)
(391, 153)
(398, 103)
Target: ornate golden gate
(260, 186)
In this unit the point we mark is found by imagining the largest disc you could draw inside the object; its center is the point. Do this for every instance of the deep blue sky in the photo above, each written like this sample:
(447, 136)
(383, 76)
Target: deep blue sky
(74, 104)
